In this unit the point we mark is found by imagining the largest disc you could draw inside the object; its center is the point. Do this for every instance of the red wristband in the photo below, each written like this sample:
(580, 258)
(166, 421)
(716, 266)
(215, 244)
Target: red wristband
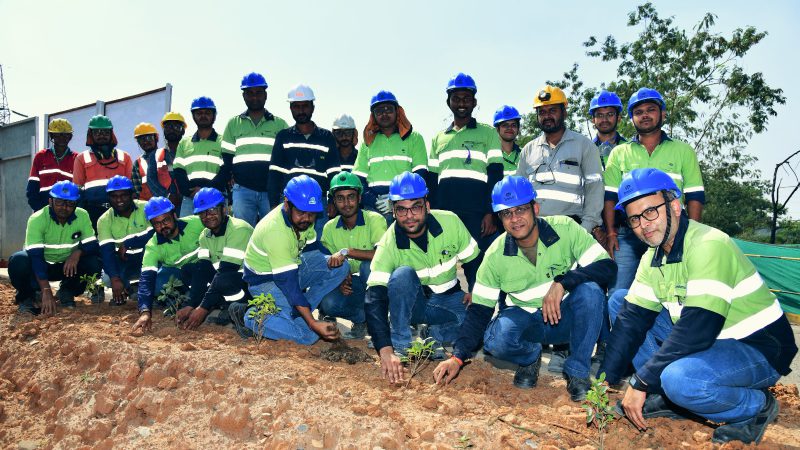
(460, 362)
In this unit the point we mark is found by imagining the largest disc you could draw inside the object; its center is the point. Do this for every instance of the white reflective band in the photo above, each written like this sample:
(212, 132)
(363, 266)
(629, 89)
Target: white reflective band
(45, 189)
(591, 254)
(753, 323)
(534, 293)
(713, 288)
(433, 163)
(321, 148)
(60, 245)
(495, 153)
(485, 291)
(419, 167)
(462, 154)
(558, 177)
(748, 285)
(33, 178)
(34, 246)
(435, 271)
(233, 253)
(134, 251)
(142, 164)
(296, 170)
(378, 277)
(149, 269)
(675, 176)
(551, 194)
(130, 236)
(312, 240)
(257, 249)
(255, 271)
(144, 179)
(235, 297)
(87, 156)
(693, 189)
(612, 189)
(335, 170)
(89, 239)
(388, 158)
(120, 156)
(467, 252)
(203, 253)
(186, 160)
(283, 269)
(95, 183)
(674, 308)
(201, 174)
(380, 183)
(254, 140)
(643, 291)
(228, 146)
(257, 157)
(359, 174)
(187, 256)
(594, 177)
(444, 287)
(58, 171)
(461, 173)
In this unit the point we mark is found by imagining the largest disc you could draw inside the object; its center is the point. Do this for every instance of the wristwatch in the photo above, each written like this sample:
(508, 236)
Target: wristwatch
(343, 252)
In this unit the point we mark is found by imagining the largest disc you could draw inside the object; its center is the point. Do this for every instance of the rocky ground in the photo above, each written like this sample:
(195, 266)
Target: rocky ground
(81, 380)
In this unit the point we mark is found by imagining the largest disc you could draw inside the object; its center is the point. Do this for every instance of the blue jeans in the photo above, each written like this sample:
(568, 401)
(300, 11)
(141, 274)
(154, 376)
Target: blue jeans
(164, 273)
(22, 277)
(722, 383)
(129, 269)
(349, 307)
(287, 324)
(249, 205)
(517, 336)
(655, 337)
(627, 258)
(187, 207)
(408, 306)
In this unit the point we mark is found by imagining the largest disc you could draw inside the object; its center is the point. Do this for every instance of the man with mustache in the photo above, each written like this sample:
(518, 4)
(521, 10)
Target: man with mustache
(507, 123)
(346, 135)
(605, 109)
(160, 175)
(51, 165)
(147, 138)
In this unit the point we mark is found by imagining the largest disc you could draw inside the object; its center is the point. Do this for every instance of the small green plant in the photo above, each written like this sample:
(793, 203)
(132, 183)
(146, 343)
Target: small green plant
(598, 411)
(173, 295)
(464, 442)
(418, 356)
(93, 284)
(86, 378)
(263, 306)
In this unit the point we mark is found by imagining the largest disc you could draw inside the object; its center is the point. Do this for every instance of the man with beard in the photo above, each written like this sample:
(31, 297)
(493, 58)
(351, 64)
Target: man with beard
(344, 131)
(59, 245)
(170, 254)
(51, 165)
(160, 176)
(706, 336)
(413, 277)
(94, 167)
(198, 160)
(536, 261)
(390, 148)
(303, 148)
(506, 121)
(123, 231)
(217, 277)
(283, 259)
(351, 239)
(147, 138)
(465, 162)
(247, 148)
(651, 147)
(604, 109)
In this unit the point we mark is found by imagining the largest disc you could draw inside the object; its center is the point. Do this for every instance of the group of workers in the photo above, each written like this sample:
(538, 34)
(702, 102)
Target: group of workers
(594, 247)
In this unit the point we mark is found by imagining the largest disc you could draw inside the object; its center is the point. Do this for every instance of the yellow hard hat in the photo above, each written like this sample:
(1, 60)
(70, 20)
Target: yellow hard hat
(173, 116)
(143, 129)
(59, 126)
(549, 95)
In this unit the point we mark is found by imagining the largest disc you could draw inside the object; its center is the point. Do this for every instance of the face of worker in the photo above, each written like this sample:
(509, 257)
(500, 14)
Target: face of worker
(301, 220)
(165, 225)
(411, 215)
(462, 103)
(255, 98)
(651, 232)
(173, 130)
(344, 137)
(63, 209)
(346, 202)
(101, 137)
(605, 119)
(121, 201)
(147, 142)
(520, 221)
(204, 118)
(302, 111)
(385, 114)
(61, 139)
(508, 130)
(212, 217)
(550, 118)
(648, 117)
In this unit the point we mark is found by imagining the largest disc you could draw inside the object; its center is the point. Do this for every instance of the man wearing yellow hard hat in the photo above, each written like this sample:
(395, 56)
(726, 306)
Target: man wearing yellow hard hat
(51, 165)
(160, 178)
(147, 138)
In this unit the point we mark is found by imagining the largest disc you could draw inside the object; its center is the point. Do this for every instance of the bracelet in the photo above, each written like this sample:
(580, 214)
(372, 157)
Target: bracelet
(458, 360)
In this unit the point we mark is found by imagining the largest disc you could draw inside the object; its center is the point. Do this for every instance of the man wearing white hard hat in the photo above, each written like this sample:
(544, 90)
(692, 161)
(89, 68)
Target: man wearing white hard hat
(344, 131)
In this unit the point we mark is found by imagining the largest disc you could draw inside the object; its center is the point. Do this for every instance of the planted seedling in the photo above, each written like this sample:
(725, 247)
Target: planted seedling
(173, 295)
(464, 442)
(93, 284)
(263, 306)
(598, 411)
(418, 356)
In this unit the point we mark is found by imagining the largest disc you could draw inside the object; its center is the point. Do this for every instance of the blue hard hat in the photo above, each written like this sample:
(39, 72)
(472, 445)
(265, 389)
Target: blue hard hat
(203, 103)
(254, 79)
(461, 81)
(512, 191)
(207, 198)
(66, 190)
(119, 183)
(641, 182)
(643, 95)
(304, 193)
(605, 99)
(383, 97)
(407, 186)
(157, 206)
(505, 113)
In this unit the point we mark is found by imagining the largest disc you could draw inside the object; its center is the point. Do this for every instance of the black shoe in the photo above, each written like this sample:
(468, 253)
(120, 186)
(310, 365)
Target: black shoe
(526, 376)
(751, 431)
(329, 319)
(357, 331)
(66, 298)
(557, 358)
(577, 387)
(657, 406)
(26, 307)
(236, 311)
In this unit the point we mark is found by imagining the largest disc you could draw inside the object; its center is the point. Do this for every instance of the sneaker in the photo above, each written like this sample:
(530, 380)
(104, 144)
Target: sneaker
(236, 311)
(357, 331)
(98, 297)
(557, 358)
(751, 430)
(577, 387)
(657, 406)
(66, 298)
(526, 376)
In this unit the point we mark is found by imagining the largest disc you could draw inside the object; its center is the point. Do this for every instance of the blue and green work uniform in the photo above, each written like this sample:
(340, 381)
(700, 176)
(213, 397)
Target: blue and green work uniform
(565, 254)
(217, 279)
(115, 231)
(198, 163)
(511, 160)
(282, 263)
(247, 148)
(165, 258)
(415, 281)
(48, 244)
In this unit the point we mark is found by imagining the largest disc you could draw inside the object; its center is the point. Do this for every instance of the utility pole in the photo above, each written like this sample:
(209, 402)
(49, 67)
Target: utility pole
(5, 113)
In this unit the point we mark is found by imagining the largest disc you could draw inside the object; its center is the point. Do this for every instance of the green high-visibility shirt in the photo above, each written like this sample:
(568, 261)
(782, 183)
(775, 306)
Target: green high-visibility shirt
(274, 247)
(386, 157)
(116, 230)
(163, 252)
(369, 228)
(44, 233)
(250, 146)
(229, 247)
(201, 158)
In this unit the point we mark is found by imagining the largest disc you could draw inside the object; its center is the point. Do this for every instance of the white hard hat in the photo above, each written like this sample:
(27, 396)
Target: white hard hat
(300, 93)
(344, 122)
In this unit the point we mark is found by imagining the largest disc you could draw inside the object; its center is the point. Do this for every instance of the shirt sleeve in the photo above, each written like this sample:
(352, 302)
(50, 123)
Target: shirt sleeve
(228, 140)
(487, 284)
(79, 171)
(147, 279)
(326, 235)
(593, 186)
(692, 178)
(383, 263)
(419, 155)
(34, 246)
(612, 176)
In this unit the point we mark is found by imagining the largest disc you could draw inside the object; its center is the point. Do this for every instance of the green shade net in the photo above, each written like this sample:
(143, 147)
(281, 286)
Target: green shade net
(779, 266)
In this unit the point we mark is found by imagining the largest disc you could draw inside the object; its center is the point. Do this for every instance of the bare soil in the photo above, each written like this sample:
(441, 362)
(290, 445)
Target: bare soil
(81, 380)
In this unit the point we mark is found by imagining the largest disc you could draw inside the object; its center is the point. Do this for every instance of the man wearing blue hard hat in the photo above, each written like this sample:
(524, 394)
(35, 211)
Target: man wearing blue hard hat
(554, 274)
(413, 278)
(60, 244)
(507, 122)
(605, 109)
(705, 334)
(283, 259)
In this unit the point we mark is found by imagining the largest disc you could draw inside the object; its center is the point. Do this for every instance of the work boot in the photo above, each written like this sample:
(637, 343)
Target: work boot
(357, 331)
(751, 430)
(557, 358)
(577, 387)
(236, 311)
(657, 406)
(526, 376)
(66, 298)
(26, 307)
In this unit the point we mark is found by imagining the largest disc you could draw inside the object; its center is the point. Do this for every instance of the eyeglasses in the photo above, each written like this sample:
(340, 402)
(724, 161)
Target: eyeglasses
(146, 137)
(601, 116)
(416, 210)
(215, 211)
(650, 214)
(101, 132)
(384, 109)
(519, 211)
(173, 125)
(61, 203)
(544, 175)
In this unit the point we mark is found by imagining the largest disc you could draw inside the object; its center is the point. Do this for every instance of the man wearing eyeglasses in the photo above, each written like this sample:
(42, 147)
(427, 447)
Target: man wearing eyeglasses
(705, 334)
(536, 261)
(147, 138)
(390, 147)
(605, 109)
(160, 177)
(413, 275)
(346, 135)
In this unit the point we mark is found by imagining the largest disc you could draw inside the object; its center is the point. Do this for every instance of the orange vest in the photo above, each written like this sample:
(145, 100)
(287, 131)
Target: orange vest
(145, 193)
(162, 170)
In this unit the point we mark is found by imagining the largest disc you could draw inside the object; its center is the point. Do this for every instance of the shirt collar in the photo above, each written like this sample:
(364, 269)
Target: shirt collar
(617, 140)
(359, 220)
(547, 236)
(676, 253)
(267, 115)
(222, 229)
(471, 124)
(664, 137)
(211, 137)
(181, 225)
(117, 215)
(66, 153)
(55, 219)
(402, 239)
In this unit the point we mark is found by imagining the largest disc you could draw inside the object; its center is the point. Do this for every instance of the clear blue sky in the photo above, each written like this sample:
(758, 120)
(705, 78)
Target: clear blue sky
(61, 54)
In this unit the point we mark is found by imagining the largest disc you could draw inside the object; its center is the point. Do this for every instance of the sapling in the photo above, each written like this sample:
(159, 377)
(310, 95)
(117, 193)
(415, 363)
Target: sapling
(93, 284)
(418, 356)
(598, 411)
(263, 306)
(173, 295)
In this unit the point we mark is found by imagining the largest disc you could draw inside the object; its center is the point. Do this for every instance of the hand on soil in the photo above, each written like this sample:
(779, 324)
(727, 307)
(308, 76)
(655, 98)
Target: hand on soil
(446, 371)
(143, 324)
(48, 302)
(118, 291)
(327, 331)
(195, 319)
(391, 367)
(632, 403)
(183, 315)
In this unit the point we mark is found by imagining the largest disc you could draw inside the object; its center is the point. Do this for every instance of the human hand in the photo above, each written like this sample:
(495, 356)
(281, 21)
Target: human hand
(551, 303)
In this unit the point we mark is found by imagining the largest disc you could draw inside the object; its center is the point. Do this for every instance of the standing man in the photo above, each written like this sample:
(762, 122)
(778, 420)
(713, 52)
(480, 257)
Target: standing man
(160, 174)
(651, 147)
(605, 109)
(247, 148)
(413, 276)
(51, 165)
(94, 167)
(346, 135)
(283, 260)
(390, 147)
(506, 121)
(536, 261)
(198, 160)
(351, 238)
(59, 245)
(704, 333)
(147, 138)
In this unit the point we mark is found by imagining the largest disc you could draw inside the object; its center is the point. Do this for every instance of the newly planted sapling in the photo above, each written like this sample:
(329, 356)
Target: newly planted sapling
(173, 295)
(418, 356)
(93, 284)
(598, 411)
(263, 306)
